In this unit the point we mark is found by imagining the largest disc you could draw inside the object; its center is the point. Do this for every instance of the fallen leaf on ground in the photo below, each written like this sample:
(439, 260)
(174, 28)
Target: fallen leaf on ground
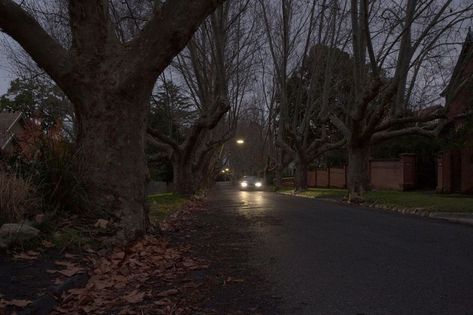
(118, 256)
(101, 223)
(18, 303)
(47, 244)
(29, 255)
(70, 272)
(134, 297)
(232, 280)
(167, 293)
(163, 302)
(147, 276)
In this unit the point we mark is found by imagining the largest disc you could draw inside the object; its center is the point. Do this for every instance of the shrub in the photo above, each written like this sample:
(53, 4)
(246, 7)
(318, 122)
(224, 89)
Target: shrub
(17, 197)
(59, 177)
(56, 173)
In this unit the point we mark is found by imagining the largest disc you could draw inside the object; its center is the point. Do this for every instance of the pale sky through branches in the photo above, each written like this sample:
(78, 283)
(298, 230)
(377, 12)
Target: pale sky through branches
(5, 75)
(440, 71)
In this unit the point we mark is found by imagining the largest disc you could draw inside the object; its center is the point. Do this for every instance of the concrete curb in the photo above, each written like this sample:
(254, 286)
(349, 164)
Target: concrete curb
(462, 218)
(454, 217)
(46, 303)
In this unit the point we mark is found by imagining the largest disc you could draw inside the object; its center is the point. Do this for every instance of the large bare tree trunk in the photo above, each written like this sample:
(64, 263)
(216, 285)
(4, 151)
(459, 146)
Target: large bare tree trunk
(110, 83)
(277, 181)
(358, 172)
(110, 148)
(301, 175)
(183, 177)
(204, 176)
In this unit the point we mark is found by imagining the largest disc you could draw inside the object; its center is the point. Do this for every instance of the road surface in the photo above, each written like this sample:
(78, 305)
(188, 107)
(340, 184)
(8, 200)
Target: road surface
(322, 257)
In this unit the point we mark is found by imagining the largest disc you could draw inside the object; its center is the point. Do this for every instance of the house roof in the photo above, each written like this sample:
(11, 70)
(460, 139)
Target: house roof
(465, 58)
(459, 92)
(7, 121)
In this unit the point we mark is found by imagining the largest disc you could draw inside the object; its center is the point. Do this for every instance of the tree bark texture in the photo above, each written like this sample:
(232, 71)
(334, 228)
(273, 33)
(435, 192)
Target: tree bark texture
(110, 84)
(183, 177)
(301, 175)
(358, 172)
(110, 149)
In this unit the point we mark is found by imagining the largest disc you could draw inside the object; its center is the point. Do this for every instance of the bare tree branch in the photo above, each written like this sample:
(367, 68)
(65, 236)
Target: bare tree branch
(44, 50)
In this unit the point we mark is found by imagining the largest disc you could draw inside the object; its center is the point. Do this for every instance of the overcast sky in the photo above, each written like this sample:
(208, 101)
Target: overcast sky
(5, 75)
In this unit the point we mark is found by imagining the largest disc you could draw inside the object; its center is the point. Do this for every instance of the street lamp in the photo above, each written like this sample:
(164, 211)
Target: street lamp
(240, 141)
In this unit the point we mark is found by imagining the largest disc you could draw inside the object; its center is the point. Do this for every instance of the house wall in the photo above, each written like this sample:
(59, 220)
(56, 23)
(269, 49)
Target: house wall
(445, 170)
(409, 171)
(467, 170)
(455, 167)
(458, 103)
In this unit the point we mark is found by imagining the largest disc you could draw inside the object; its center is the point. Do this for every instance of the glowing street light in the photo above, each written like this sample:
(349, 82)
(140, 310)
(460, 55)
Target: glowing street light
(240, 141)
(227, 170)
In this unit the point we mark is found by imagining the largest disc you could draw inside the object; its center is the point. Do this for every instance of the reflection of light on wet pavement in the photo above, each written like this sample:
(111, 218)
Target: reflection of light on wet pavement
(253, 202)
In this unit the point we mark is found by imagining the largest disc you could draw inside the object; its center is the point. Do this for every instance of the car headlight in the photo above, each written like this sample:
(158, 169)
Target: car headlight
(244, 184)
(258, 184)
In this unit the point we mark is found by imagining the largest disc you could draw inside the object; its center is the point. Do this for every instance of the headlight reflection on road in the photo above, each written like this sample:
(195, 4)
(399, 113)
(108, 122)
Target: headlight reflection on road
(253, 202)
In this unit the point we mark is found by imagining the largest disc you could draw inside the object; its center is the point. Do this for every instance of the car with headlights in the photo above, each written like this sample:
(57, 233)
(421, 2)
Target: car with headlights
(251, 183)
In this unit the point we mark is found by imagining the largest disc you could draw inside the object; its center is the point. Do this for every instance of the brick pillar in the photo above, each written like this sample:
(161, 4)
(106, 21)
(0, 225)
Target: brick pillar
(408, 170)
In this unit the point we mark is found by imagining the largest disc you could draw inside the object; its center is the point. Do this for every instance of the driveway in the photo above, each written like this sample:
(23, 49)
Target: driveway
(322, 257)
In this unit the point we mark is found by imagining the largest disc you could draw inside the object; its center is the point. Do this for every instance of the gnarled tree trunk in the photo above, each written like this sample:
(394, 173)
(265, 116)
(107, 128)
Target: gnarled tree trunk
(300, 180)
(110, 150)
(183, 177)
(277, 181)
(109, 84)
(204, 174)
(358, 172)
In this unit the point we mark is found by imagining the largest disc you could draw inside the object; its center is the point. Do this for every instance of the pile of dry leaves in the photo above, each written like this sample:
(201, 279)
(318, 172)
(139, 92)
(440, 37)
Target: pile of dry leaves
(148, 277)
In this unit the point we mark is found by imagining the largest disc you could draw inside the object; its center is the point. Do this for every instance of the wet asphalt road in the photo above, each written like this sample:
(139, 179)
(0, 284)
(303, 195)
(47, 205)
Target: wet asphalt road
(323, 257)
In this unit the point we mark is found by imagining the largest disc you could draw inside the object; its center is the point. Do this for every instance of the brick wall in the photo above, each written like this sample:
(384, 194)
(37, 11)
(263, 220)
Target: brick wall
(386, 174)
(398, 174)
(322, 178)
(311, 178)
(338, 177)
